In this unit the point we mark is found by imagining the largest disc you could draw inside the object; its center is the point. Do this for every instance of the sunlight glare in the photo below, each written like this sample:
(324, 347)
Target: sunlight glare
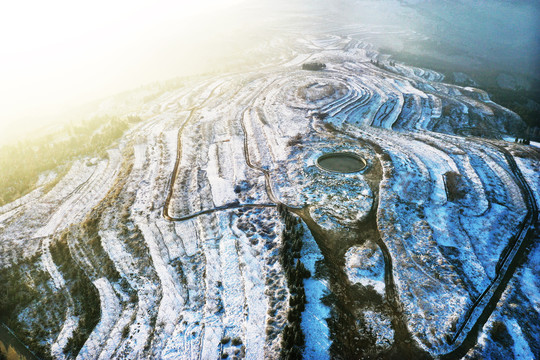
(57, 54)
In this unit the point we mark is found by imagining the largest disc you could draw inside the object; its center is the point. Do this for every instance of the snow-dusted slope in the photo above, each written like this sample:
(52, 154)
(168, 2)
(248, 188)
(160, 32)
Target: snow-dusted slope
(180, 238)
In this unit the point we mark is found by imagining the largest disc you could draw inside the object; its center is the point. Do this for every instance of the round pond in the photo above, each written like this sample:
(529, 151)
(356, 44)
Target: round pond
(341, 162)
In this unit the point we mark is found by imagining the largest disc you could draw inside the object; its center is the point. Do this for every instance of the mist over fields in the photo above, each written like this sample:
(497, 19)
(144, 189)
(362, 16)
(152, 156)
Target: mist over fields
(50, 71)
(499, 34)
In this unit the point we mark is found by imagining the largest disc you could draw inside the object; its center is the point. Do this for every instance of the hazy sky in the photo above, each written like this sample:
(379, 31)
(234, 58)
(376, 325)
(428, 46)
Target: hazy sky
(57, 53)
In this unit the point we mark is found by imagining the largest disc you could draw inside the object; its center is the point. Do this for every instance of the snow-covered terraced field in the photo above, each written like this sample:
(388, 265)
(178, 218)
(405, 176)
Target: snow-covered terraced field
(210, 232)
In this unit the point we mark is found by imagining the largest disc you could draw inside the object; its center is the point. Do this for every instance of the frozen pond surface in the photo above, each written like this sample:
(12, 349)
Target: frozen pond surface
(342, 162)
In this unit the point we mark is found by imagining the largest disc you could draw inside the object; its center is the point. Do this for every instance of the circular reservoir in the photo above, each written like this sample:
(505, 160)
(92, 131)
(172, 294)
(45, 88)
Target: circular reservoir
(341, 162)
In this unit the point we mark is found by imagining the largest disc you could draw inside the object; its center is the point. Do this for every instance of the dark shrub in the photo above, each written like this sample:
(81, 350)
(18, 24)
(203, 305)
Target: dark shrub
(314, 66)
(454, 186)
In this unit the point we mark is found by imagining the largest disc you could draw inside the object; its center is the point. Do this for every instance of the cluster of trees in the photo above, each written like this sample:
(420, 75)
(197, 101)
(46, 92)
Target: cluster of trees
(295, 272)
(15, 296)
(79, 276)
(88, 231)
(83, 292)
(22, 289)
(26, 288)
(122, 198)
(454, 186)
(522, 141)
(382, 65)
(314, 66)
(90, 234)
(86, 238)
(522, 102)
(237, 348)
(134, 239)
(499, 333)
(15, 293)
(295, 140)
(21, 164)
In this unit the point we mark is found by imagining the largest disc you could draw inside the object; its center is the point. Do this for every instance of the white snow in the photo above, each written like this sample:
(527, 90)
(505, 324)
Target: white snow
(206, 279)
(110, 310)
(314, 326)
(521, 346)
(365, 265)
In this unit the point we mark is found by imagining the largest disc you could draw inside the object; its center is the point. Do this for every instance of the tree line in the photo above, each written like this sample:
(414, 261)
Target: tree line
(293, 340)
(21, 164)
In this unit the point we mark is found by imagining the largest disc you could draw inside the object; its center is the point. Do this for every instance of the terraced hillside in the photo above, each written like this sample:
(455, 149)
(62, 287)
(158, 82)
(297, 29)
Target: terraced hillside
(210, 231)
